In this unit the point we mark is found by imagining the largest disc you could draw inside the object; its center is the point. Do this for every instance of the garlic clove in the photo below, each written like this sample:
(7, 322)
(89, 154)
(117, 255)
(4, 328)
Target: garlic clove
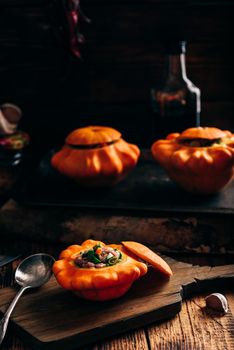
(217, 302)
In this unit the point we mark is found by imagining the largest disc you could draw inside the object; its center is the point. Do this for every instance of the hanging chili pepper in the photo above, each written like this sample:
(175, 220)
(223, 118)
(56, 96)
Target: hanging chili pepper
(74, 15)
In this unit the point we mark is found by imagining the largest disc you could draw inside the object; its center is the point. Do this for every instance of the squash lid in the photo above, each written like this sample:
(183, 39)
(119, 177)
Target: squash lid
(208, 133)
(92, 146)
(93, 136)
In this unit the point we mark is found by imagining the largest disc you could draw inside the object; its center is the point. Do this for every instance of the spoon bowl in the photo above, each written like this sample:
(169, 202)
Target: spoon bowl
(32, 272)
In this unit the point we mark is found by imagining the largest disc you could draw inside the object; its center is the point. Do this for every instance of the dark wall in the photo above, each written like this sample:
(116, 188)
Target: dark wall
(123, 57)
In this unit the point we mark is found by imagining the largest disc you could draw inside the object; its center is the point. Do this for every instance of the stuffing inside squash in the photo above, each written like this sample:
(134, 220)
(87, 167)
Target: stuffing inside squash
(200, 160)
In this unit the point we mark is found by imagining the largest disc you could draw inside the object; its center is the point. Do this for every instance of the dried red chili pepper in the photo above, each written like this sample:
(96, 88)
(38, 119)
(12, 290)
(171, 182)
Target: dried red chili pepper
(74, 15)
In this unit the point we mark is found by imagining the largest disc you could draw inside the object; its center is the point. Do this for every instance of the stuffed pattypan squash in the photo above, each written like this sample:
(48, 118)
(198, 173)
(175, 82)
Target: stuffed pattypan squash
(96, 271)
(200, 160)
(95, 156)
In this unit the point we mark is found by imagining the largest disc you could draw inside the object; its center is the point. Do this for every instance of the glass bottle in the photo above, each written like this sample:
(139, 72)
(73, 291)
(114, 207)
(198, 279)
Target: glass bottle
(177, 104)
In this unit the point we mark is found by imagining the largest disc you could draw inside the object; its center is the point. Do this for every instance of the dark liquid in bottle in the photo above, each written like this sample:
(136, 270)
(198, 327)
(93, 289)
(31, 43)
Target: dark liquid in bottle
(176, 106)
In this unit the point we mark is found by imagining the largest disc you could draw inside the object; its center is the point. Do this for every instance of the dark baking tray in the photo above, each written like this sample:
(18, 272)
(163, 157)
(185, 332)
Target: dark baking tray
(146, 189)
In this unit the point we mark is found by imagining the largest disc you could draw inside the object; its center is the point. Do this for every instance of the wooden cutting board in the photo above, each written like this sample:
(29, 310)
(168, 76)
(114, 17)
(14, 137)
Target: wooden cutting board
(52, 318)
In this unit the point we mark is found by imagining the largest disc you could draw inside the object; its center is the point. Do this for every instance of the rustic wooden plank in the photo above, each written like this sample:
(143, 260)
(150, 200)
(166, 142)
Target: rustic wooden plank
(123, 59)
(158, 2)
(123, 25)
(185, 233)
(146, 18)
(38, 318)
(162, 334)
(202, 53)
(182, 332)
(168, 3)
(112, 83)
(132, 341)
(22, 2)
(105, 97)
(195, 328)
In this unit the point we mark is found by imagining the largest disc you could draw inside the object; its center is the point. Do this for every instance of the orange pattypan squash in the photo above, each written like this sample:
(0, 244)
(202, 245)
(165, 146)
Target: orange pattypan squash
(96, 271)
(95, 156)
(146, 254)
(200, 160)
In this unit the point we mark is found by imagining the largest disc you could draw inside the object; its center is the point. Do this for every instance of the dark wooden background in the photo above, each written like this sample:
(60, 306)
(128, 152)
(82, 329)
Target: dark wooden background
(123, 57)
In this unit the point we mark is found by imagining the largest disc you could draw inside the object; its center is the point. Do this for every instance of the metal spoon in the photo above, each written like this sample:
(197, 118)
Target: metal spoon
(32, 272)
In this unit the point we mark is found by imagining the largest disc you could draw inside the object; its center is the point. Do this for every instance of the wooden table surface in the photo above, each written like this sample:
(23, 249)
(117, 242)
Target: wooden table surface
(191, 329)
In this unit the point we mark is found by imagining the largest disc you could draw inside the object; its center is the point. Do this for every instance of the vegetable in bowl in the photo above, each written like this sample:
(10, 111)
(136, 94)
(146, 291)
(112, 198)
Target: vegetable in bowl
(96, 271)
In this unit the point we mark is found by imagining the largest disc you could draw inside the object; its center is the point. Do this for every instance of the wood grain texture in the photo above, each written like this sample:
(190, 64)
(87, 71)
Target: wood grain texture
(123, 57)
(69, 226)
(164, 333)
(42, 316)
(194, 328)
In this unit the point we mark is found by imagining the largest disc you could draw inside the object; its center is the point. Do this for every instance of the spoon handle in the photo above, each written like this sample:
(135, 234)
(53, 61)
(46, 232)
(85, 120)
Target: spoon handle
(4, 321)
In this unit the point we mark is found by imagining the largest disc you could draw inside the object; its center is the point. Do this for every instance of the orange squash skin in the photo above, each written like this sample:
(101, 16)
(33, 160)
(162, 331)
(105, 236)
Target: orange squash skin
(200, 170)
(97, 284)
(98, 166)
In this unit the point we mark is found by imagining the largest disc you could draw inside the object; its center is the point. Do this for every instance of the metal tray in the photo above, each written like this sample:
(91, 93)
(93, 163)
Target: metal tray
(146, 189)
